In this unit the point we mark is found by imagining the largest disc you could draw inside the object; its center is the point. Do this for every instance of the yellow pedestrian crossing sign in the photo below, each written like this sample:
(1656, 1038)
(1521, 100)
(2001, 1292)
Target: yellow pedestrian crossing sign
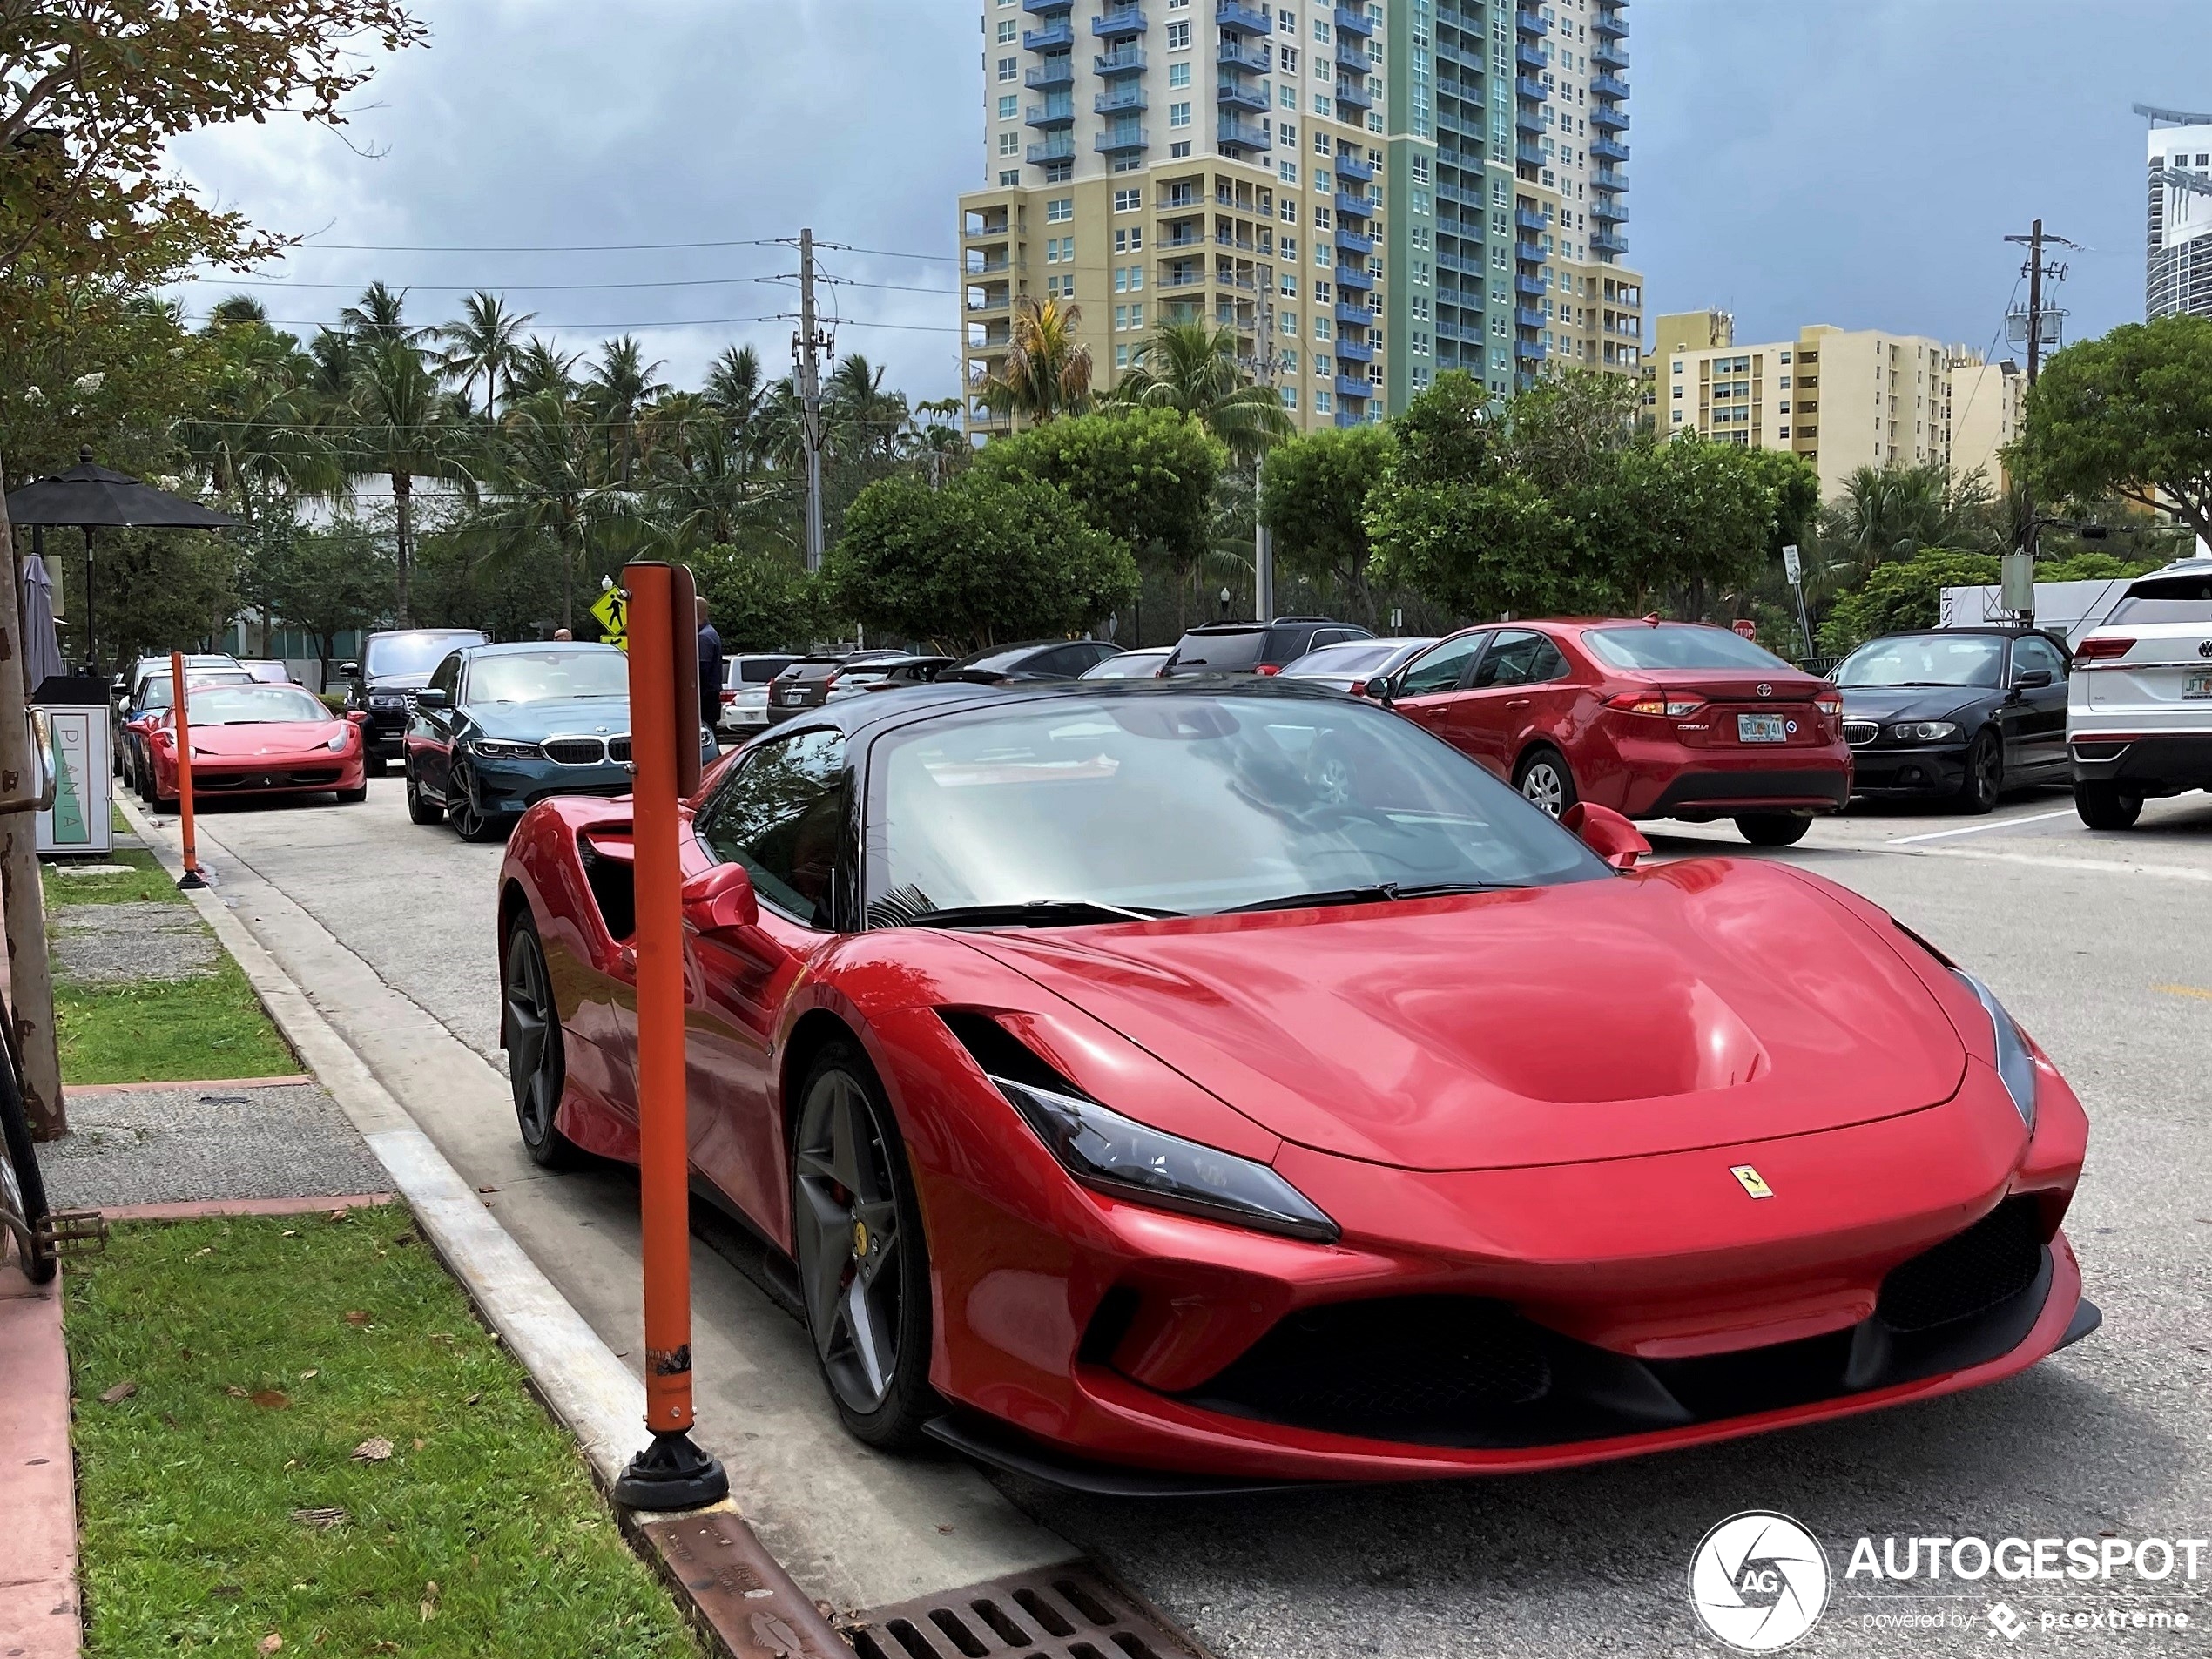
(611, 611)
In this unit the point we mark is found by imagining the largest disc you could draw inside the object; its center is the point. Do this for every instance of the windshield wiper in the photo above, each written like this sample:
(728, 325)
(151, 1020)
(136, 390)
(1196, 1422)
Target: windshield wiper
(1379, 892)
(1036, 913)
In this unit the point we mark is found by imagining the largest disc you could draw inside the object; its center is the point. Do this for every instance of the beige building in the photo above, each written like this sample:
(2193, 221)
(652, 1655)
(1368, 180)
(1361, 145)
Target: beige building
(1986, 401)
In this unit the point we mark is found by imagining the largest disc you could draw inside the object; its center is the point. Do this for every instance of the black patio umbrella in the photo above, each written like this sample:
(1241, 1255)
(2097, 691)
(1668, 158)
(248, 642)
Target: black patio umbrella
(92, 497)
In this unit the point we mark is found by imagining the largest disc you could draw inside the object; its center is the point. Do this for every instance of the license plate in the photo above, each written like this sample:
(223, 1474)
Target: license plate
(2199, 686)
(1761, 728)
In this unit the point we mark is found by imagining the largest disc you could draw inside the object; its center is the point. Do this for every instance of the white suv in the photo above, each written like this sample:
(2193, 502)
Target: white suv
(2139, 715)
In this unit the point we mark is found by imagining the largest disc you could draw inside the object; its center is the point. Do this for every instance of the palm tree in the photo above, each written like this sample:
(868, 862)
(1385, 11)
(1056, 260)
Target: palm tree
(1894, 512)
(379, 315)
(238, 308)
(540, 367)
(483, 342)
(616, 389)
(404, 428)
(548, 491)
(734, 385)
(863, 419)
(1193, 368)
(1047, 373)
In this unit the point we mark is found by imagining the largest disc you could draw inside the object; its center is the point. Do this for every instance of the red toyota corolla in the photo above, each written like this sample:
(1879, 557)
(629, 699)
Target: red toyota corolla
(1157, 1088)
(1654, 719)
(258, 740)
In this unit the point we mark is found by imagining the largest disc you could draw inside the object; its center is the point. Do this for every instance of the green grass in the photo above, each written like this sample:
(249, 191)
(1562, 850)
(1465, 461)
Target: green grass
(167, 1031)
(118, 823)
(186, 1489)
(147, 881)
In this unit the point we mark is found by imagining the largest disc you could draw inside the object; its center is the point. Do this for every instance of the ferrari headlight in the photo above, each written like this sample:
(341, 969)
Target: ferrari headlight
(1104, 1149)
(499, 749)
(1926, 731)
(337, 742)
(2015, 1064)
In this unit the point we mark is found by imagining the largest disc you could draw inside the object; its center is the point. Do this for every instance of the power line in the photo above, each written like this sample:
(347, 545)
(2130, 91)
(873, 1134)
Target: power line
(602, 327)
(472, 288)
(578, 247)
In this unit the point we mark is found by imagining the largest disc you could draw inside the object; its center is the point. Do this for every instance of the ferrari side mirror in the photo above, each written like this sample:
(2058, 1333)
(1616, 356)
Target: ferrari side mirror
(1605, 833)
(721, 900)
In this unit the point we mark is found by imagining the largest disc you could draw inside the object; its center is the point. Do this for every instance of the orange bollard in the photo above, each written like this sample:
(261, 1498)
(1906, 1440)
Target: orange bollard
(192, 877)
(672, 1472)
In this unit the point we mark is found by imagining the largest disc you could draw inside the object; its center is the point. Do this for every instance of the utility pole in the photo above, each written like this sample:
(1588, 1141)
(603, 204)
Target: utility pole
(2018, 593)
(1263, 539)
(805, 348)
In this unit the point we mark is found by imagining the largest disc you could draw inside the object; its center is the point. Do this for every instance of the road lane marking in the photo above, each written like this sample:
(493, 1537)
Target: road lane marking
(2047, 861)
(1978, 829)
(2196, 991)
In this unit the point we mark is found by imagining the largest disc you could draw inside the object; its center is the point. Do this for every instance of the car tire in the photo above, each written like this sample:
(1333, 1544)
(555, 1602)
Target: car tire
(1546, 781)
(468, 823)
(850, 1177)
(376, 765)
(420, 811)
(2105, 805)
(537, 1069)
(1985, 780)
(353, 796)
(1773, 829)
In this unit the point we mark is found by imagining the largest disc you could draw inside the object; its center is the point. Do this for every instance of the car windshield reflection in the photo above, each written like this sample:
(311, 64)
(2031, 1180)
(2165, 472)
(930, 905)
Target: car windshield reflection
(1925, 659)
(551, 676)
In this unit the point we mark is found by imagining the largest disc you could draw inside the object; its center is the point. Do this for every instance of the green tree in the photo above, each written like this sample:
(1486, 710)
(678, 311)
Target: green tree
(1313, 497)
(483, 342)
(548, 498)
(402, 426)
(1046, 372)
(325, 580)
(1901, 593)
(762, 598)
(1144, 477)
(1676, 523)
(987, 559)
(2128, 415)
(617, 389)
(1192, 368)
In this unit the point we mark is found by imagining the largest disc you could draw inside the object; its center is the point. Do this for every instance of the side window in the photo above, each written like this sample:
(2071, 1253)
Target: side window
(1441, 668)
(2030, 653)
(1551, 663)
(1512, 661)
(447, 678)
(781, 815)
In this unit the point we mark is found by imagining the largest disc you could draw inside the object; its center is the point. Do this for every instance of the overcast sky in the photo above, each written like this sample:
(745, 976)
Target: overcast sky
(1856, 162)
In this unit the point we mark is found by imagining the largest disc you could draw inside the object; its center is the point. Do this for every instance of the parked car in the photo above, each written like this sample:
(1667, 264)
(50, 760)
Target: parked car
(1143, 663)
(1962, 713)
(1035, 659)
(253, 739)
(392, 667)
(745, 690)
(887, 674)
(125, 688)
(1654, 720)
(149, 702)
(2139, 713)
(267, 671)
(1256, 647)
(807, 682)
(1118, 1097)
(1349, 665)
(499, 728)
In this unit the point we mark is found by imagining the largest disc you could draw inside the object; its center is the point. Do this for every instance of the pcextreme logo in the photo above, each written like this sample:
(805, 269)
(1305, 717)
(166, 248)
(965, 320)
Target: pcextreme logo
(1758, 1581)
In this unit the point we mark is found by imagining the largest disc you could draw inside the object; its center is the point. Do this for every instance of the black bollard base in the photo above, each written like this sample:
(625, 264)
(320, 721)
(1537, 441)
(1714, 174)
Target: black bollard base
(190, 879)
(671, 1473)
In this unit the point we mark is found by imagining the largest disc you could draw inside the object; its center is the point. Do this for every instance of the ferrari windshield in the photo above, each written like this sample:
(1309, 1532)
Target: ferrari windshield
(1182, 804)
(253, 705)
(1926, 659)
(549, 676)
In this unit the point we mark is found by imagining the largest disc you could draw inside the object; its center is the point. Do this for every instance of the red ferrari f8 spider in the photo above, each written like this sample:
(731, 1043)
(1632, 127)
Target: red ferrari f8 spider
(1160, 1087)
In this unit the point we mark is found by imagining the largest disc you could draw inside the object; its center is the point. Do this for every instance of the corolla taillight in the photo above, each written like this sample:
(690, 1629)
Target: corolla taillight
(1657, 704)
(1269, 668)
(1830, 706)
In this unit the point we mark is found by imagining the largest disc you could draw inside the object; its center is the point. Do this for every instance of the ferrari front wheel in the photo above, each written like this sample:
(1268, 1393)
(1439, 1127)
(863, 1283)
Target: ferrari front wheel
(863, 1262)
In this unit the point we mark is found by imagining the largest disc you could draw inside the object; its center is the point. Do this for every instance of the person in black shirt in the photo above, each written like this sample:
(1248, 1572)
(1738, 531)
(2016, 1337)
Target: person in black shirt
(710, 669)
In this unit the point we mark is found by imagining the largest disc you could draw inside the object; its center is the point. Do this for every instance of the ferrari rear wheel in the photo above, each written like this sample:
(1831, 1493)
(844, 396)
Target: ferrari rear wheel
(1546, 780)
(537, 1059)
(863, 1262)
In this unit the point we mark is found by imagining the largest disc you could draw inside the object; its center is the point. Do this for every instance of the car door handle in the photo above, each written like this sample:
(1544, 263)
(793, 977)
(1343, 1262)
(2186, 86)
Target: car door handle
(1518, 703)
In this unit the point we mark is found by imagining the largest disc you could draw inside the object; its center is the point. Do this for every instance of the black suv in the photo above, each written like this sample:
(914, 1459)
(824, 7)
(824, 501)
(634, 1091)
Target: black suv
(1256, 647)
(394, 666)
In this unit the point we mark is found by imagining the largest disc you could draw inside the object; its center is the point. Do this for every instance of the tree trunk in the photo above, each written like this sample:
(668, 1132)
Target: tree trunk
(30, 968)
(403, 516)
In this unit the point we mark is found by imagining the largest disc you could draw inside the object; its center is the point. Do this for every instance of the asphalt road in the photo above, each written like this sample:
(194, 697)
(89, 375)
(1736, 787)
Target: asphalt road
(2102, 944)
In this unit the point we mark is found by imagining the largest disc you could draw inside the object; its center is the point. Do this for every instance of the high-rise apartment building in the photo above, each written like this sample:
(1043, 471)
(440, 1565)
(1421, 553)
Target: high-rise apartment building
(2178, 249)
(1986, 403)
(1364, 193)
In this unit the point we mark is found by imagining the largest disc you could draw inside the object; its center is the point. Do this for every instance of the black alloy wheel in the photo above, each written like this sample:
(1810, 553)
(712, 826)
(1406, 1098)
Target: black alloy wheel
(863, 1262)
(536, 1056)
(1546, 781)
(470, 822)
(1773, 829)
(1985, 779)
(2106, 805)
(419, 809)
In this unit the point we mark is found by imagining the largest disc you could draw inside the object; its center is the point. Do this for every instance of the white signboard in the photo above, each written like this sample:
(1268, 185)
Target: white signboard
(80, 820)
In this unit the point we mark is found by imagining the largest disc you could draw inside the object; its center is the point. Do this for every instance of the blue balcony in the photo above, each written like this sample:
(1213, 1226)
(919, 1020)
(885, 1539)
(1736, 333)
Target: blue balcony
(1354, 279)
(1527, 253)
(1352, 56)
(1243, 135)
(1528, 118)
(1605, 242)
(1529, 155)
(1354, 167)
(1054, 71)
(1608, 211)
(1354, 20)
(1532, 287)
(1608, 149)
(1355, 94)
(1121, 140)
(1241, 52)
(1046, 7)
(1527, 22)
(1528, 351)
(1352, 242)
(1119, 100)
(1530, 56)
(1606, 179)
(1356, 388)
(1355, 351)
(1529, 220)
(1122, 23)
(1609, 118)
(1057, 112)
(1244, 95)
(1253, 20)
(1608, 86)
(1351, 207)
(1529, 88)
(1609, 54)
(1525, 318)
(1053, 36)
(1059, 147)
(1354, 316)
(1129, 60)
(1611, 25)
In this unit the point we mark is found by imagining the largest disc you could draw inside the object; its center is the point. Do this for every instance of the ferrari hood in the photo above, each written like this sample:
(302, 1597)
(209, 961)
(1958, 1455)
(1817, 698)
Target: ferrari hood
(1700, 1004)
(254, 741)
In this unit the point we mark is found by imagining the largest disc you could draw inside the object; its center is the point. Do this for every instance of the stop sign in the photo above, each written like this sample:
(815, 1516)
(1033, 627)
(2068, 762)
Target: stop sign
(1746, 627)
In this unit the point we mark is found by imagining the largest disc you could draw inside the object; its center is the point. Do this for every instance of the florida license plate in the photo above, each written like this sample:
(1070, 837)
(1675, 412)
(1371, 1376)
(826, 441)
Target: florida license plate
(1761, 728)
(2199, 686)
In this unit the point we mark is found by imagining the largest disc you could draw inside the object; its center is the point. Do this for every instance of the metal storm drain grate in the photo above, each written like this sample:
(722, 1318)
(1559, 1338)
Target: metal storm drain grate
(1061, 1612)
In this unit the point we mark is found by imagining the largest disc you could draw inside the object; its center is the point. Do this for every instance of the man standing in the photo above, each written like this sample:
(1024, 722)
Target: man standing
(710, 669)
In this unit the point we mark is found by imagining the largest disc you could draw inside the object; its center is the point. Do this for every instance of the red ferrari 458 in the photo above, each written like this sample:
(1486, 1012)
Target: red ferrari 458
(1142, 1108)
(257, 739)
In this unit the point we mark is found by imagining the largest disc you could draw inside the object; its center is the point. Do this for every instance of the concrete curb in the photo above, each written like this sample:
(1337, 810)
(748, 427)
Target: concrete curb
(38, 1601)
